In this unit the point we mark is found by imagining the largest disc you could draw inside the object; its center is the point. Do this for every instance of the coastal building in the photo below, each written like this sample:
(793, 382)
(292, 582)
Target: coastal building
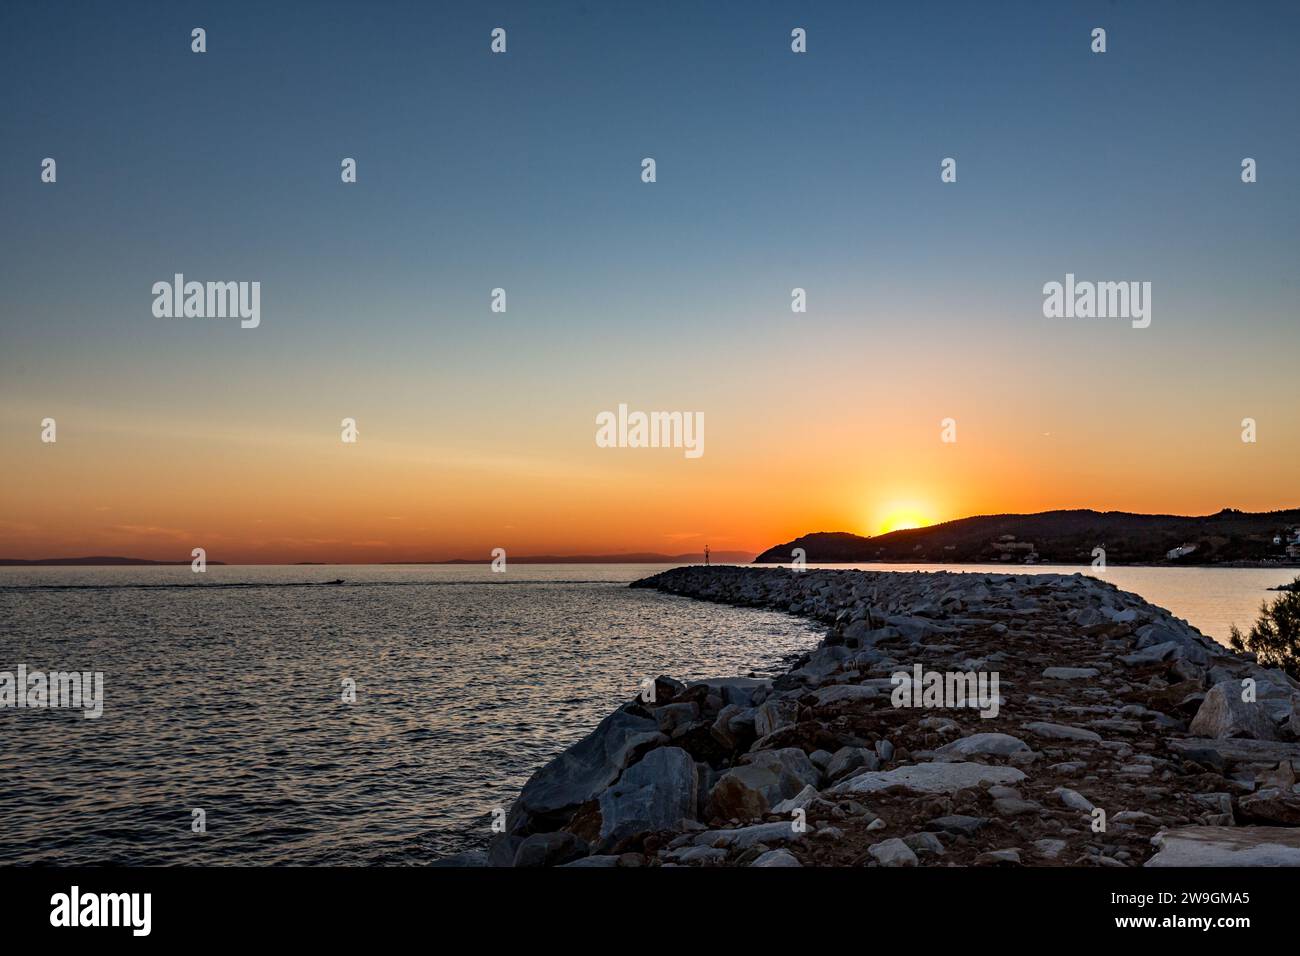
(1292, 543)
(1013, 545)
(1178, 552)
(1008, 548)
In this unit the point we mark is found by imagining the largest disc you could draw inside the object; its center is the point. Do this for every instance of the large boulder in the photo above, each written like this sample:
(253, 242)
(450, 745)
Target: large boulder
(1224, 714)
(1189, 643)
(769, 777)
(580, 773)
(1275, 798)
(734, 726)
(670, 717)
(774, 714)
(656, 793)
(744, 691)
(847, 759)
(1280, 699)
(1153, 654)
(821, 664)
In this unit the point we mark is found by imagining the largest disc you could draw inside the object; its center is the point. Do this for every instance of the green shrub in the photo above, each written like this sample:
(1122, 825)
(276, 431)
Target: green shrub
(1275, 637)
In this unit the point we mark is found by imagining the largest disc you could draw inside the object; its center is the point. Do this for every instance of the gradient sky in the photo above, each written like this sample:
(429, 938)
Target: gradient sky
(522, 171)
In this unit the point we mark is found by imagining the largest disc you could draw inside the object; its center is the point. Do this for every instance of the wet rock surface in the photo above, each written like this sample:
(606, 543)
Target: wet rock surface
(1114, 735)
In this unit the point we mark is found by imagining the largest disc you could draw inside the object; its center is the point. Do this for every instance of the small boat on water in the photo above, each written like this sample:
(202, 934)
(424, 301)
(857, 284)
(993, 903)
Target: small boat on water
(335, 581)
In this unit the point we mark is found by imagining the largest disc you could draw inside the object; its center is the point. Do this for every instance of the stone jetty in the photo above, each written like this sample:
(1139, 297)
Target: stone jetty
(946, 719)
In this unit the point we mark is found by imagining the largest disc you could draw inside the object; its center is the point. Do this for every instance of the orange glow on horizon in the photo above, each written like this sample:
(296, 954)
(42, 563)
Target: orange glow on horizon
(905, 517)
(412, 489)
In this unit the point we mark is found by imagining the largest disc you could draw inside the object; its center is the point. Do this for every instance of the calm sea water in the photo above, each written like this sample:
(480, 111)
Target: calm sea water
(1210, 599)
(225, 696)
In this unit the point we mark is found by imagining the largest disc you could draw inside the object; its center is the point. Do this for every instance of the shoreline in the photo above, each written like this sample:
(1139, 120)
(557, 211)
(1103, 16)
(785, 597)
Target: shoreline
(1109, 733)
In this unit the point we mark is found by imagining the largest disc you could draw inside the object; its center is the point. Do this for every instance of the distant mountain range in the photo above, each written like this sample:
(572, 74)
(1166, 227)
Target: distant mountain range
(96, 561)
(1060, 537)
(637, 557)
(634, 557)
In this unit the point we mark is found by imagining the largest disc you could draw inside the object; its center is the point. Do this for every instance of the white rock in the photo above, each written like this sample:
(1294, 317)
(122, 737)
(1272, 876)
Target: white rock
(1073, 799)
(929, 778)
(799, 801)
(1070, 673)
(893, 852)
(779, 857)
(1227, 846)
(1061, 731)
(743, 837)
(1000, 745)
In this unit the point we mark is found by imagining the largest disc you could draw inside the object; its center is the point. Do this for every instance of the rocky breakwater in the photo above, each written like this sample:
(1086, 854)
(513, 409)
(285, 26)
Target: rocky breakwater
(1097, 730)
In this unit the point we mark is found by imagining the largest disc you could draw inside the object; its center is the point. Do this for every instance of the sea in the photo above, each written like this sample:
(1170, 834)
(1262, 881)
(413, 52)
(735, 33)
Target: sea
(262, 715)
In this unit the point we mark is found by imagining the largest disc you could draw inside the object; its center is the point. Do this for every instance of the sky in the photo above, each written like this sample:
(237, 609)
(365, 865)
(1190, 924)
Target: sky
(522, 171)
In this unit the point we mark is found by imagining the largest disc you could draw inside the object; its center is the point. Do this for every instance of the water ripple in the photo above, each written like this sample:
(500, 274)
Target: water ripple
(227, 697)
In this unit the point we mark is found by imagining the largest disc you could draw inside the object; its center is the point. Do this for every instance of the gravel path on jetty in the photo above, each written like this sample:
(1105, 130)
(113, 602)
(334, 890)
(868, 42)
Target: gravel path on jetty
(1104, 732)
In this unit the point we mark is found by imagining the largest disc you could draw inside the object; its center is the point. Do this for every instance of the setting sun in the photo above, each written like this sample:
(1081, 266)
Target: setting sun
(903, 518)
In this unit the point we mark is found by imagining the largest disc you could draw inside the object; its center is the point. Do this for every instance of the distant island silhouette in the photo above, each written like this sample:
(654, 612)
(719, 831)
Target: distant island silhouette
(1066, 537)
(95, 561)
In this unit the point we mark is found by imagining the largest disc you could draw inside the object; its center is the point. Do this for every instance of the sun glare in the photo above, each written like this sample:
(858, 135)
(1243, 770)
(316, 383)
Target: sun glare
(901, 519)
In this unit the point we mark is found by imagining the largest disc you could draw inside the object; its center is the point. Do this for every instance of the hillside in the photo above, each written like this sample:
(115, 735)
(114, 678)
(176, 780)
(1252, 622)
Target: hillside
(1062, 537)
